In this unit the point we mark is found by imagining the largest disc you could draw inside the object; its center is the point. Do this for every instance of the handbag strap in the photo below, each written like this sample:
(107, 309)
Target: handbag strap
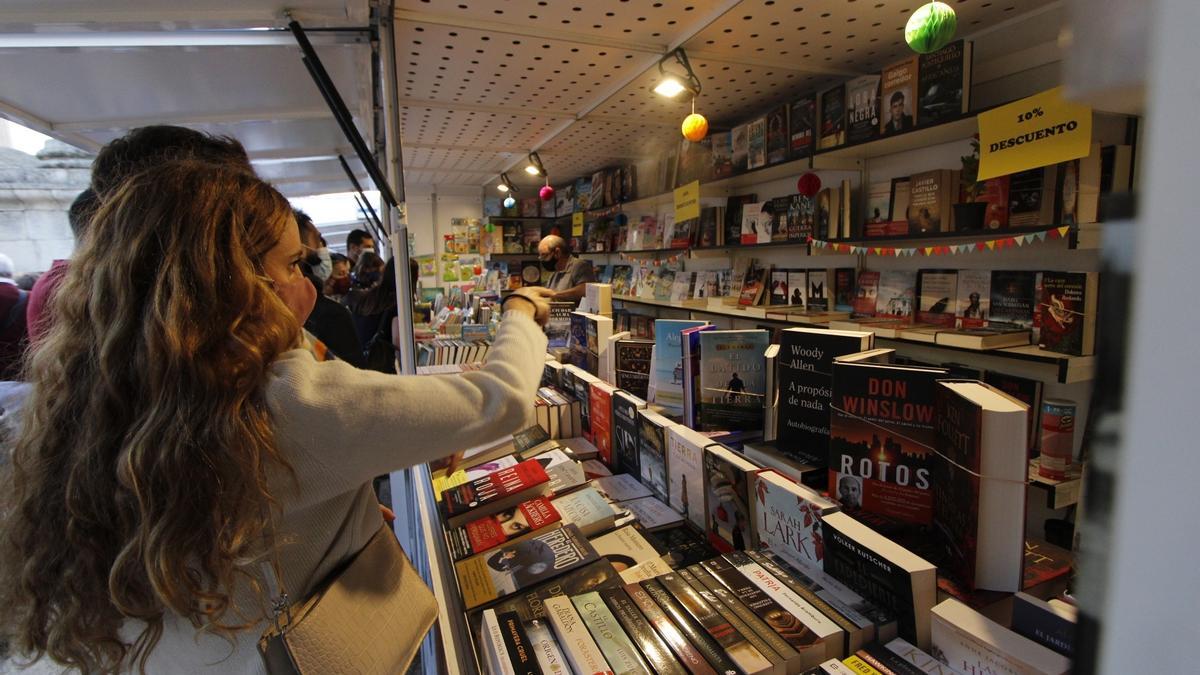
(281, 605)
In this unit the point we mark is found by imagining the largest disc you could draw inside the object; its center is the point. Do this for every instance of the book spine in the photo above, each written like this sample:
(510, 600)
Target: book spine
(653, 648)
(886, 661)
(459, 543)
(734, 620)
(731, 640)
(779, 619)
(827, 630)
(756, 624)
(692, 629)
(671, 634)
(856, 637)
(580, 649)
(493, 639)
(620, 652)
(520, 652)
(859, 665)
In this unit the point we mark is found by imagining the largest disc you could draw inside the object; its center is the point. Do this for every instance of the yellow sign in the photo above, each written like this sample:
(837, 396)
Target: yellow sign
(687, 202)
(577, 224)
(1041, 130)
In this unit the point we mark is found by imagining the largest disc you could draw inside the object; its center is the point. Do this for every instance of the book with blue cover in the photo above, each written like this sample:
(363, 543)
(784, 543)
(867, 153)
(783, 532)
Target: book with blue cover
(668, 364)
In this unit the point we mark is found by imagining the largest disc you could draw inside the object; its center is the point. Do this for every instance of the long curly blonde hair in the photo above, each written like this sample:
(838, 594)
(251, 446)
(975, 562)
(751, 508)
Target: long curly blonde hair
(138, 483)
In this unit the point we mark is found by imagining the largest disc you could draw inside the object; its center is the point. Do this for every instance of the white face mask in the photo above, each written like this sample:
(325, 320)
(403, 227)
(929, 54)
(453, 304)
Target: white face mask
(325, 269)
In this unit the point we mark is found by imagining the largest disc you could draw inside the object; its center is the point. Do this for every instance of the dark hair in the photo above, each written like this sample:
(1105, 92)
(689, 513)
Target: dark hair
(382, 298)
(146, 146)
(414, 271)
(898, 96)
(335, 257)
(357, 237)
(81, 212)
(304, 223)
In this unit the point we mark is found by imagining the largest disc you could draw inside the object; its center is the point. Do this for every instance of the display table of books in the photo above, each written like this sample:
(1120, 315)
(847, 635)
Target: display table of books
(878, 529)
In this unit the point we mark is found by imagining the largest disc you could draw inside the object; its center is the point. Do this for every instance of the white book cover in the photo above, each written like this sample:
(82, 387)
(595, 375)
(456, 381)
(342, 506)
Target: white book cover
(700, 287)
(545, 648)
(685, 450)
(974, 297)
(652, 513)
(787, 520)
(497, 654)
(565, 473)
(973, 643)
(621, 487)
(681, 289)
(587, 509)
(919, 659)
(645, 570)
(625, 548)
(810, 616)
(750, 233)
(577, 644)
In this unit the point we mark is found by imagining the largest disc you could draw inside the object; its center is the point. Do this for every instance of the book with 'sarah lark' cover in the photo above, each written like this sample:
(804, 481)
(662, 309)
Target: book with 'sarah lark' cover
(514, 567)
(787, 519)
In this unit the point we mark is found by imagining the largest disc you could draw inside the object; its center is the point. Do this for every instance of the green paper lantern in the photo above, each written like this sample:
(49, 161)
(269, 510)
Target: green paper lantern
(931, 27)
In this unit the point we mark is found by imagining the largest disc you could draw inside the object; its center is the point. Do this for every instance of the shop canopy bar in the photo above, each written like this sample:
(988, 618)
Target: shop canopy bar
(373, 221)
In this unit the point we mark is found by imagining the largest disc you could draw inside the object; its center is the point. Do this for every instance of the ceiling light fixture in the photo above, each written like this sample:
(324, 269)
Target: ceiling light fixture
(535, 166)
(506, 185)
(674, 84)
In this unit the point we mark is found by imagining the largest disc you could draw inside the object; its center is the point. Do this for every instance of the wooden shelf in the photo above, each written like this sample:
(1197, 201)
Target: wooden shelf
(1049, 366)
(1059, 493)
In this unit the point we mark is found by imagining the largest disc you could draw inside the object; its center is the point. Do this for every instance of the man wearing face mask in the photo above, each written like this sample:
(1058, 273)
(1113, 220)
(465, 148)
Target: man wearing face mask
(570, 274)
(357, 242)
(329, 321)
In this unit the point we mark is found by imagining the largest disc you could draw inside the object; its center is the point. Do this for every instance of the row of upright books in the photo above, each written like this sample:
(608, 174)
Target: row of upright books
(472, 348)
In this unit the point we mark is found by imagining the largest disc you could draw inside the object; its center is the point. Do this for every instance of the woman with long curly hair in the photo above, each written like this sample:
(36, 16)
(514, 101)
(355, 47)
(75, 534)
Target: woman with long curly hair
(179, 433)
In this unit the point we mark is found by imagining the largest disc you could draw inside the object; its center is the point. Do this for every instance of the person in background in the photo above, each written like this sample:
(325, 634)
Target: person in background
(368, 270)
(329, 321)
(27, 281)
(37, 311)
(571, 274)
(180, 437)
(357, 242)
(338, 284)
(373, 310)
(12, 322)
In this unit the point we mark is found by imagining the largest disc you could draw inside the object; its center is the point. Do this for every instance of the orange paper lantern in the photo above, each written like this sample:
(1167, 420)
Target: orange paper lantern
(695, 127)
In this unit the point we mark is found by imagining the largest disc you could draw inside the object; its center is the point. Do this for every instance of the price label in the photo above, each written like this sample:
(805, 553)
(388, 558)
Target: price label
(1041, 130)
(687, 202)
(577, 224)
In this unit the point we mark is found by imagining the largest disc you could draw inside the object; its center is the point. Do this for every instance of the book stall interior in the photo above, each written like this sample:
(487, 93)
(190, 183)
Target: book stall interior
(829, 404)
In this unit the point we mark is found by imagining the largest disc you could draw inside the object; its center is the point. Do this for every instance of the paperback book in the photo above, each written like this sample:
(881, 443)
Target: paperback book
(618, 650)
(732, 379)
(898, 98)
(652, 451)
(778, 137)
(685, 453)
(727, 500)
(833, 118)
(515, 567)
(974, 298)
(1012, 299)
(936, 296)
(896, 295)
(787, 519)
(491, 531)
(494, 492)
(802, 123)
(944, 83)
(862, 109)
(668, 364)
(633, 366)
(625, 421)
(1068, 312)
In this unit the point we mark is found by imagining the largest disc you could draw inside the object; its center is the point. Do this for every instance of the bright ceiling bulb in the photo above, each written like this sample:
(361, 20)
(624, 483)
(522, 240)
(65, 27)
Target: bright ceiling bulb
(502, 187)
(531, 170)
(669, 87)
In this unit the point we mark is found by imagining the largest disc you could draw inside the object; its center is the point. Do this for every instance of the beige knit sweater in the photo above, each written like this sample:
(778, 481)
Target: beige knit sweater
(340, 427)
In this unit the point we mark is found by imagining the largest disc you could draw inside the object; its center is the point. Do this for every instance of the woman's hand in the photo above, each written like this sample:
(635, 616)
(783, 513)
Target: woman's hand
(532, 300)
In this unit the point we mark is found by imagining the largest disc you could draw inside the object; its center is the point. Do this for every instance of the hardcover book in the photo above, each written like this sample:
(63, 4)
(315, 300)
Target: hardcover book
(833, 118)
(619, 651)
(778, 138)
(494, 493)
(1013, 299)
(668, 364)
(802, 123)
(652, 451)
(633, 365)
(788, 626)
(690, 342)
(600, 414)
(972, 643)
(979, 475)
(515, 567)
(577, 644)
(805, 387)
(787, 519)
(653, 648)
(732, 379)
(1068, 312)
(862, 109)
(491, 531)
(866, 293)
(685, 452)
(722, 645)
(898, 97)
(897, 293)
(756, 143)
(936, 296)
(882, 571)
(931, 194)
(974, 298)
(626, 432)
(881, 437)
(944, 83)
(727, 480)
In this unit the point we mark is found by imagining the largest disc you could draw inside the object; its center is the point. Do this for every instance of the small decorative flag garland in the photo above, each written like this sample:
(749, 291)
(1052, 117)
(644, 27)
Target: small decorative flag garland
(953, 249)
(657, 262)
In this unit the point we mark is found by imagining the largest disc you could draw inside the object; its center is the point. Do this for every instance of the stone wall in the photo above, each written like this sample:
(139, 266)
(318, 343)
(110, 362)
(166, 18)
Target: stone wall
(35, 193)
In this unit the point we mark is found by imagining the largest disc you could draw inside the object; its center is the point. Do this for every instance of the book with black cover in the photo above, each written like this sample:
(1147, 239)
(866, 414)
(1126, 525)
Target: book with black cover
(528, 604)
(652, 646)
(757, 632)
(855, 636)
(802, 119)
(862, 108)
(721, 645)
(672, 635)
(512, 568)
(944, 83)
(626, 432)
(1013, 299)
(733, 216)
(886, 661)
(882, 435)
(652, 452)
(833, 117)
(778, 138)
(521, 656)
(633, 364)
(882, 571)
(1068, 312)
(804, 380)
(784, 623)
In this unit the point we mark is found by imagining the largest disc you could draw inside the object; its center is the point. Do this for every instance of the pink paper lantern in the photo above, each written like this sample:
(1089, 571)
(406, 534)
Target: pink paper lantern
(546, 193)
(809, 184)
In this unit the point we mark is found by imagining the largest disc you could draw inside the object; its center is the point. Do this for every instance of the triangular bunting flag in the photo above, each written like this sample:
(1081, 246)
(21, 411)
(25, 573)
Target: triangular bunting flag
(1062, 231)
(928, 250)
(991, 244)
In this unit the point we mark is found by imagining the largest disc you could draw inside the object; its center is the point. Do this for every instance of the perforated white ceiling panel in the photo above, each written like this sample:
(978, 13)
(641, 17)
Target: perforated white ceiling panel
(573, 79)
